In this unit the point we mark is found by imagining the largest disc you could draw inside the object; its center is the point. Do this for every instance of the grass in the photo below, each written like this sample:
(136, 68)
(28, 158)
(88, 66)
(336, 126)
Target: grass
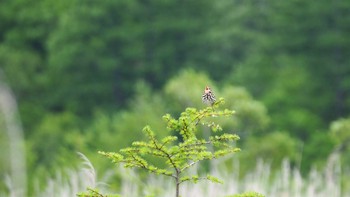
(287, 182)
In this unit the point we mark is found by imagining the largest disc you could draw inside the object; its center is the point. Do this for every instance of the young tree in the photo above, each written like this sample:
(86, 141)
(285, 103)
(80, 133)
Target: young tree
(181, 151)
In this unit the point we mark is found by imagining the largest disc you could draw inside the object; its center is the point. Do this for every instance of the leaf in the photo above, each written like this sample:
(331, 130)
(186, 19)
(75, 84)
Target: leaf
(116, 158)
(214, 179)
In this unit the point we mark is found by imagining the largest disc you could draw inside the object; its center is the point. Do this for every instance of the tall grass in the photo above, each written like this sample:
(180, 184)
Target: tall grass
(12, 143)
(71, 181)
(287, 182)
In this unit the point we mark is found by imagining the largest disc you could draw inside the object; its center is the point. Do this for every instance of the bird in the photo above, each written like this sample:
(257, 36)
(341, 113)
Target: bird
(208, 96)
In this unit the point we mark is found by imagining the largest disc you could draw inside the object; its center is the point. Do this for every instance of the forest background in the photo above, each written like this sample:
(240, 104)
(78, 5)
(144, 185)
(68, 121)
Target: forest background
(88, 75)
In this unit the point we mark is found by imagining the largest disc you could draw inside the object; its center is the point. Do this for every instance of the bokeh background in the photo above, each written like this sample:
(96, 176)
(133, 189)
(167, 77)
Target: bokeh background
(87, 75)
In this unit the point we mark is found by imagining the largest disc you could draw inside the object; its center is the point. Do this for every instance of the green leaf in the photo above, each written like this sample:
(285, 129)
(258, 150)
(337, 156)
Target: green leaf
(116, 158)
(214, 179)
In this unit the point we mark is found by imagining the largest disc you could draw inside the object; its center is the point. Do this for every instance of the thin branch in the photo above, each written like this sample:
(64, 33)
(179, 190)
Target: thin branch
(198, 144)
(200, 116)
(164, 143)
(149, 169)
(140, 163)
(189, 165)
(169, 157)
(192, 179)
(95, 193)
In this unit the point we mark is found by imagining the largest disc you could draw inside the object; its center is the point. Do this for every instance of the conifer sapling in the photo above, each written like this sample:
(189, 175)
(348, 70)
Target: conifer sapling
(175, 154)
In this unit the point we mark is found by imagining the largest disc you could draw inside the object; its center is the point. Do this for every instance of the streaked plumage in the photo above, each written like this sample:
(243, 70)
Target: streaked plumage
(208, 97)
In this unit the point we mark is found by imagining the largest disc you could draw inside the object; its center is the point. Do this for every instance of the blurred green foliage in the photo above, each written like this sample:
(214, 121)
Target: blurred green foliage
(281, 146)
(340, 131)
(89, 74)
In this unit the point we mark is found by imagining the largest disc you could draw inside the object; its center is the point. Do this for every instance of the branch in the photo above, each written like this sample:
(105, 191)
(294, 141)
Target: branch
(169, 157)
(189, 165)
(207, 112)
(196, 178)
(150, 168)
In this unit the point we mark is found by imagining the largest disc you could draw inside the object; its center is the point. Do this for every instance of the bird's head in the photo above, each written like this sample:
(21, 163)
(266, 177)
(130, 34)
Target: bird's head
(207, 89)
